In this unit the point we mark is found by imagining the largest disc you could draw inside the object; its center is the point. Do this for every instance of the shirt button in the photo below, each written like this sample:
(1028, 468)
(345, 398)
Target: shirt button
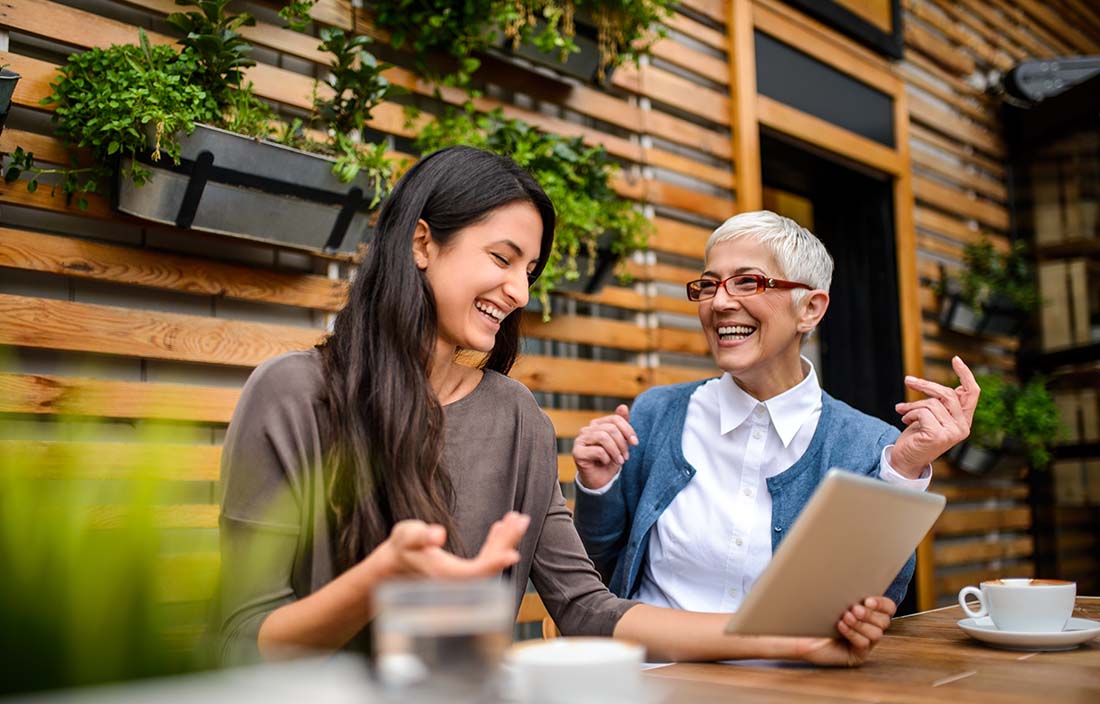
(738, 542)
(756, 435)
(760, 411)
(748, 492)
(733, 591)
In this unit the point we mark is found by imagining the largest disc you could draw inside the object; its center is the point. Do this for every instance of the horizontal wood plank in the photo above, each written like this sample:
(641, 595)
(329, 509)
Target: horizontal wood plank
(41, 394)
(85, 259)
(84, 327)
(57, 459)
(986, 520)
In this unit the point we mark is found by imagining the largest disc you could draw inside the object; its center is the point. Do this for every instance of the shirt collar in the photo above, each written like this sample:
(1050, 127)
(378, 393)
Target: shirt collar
(789, 410)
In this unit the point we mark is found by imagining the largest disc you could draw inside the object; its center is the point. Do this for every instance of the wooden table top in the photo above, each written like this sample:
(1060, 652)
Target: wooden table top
(925, 657)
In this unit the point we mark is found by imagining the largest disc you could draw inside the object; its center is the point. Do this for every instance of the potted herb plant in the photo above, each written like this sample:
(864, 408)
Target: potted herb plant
(1013, 425)
(994, 294)
(583, 38)
(188, 144)
(596, 230)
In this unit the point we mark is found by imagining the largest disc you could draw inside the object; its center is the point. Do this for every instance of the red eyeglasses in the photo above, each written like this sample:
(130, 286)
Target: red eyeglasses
(738, 286)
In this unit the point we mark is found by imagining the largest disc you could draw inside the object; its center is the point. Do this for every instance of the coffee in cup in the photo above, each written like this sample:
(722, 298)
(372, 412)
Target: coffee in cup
(1024, 605)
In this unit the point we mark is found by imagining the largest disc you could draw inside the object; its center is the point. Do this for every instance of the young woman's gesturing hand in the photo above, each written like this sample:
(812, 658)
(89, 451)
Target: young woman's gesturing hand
(415, 549)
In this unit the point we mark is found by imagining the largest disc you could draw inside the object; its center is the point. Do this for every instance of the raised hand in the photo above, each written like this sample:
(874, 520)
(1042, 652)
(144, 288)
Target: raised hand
(861, 628)
(603, 446)
(415, 549)
(937, 423)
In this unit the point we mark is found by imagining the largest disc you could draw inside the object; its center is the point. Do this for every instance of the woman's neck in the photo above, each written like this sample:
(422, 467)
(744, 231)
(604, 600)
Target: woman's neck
(773, 380)
(450, 380)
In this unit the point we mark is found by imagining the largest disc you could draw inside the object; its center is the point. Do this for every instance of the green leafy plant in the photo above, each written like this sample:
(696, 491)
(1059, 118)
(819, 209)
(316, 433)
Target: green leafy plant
(991, 274)
(220, 52)
(626, 29)
(296, 14)
(116, 101)
(443, 27)
(356, 80)
(575, 177)
(84, 573)
(1026, 415)
(106, 100)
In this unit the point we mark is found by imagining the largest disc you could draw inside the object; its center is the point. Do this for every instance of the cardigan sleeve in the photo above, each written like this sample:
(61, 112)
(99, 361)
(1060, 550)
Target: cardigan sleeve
(604, 521)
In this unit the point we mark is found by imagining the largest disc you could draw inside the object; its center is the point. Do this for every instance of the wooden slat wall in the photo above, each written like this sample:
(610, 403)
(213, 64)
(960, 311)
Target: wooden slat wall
(958, 166)
(103, 316)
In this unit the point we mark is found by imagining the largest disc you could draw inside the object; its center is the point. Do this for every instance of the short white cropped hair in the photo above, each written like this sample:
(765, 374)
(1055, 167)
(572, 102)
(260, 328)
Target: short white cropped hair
(801, 256)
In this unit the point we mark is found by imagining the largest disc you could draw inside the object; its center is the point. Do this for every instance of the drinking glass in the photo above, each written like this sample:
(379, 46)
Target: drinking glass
(442, 641)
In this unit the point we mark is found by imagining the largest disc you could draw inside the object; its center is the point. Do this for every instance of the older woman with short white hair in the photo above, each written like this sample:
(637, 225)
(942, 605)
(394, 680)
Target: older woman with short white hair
(683, 498)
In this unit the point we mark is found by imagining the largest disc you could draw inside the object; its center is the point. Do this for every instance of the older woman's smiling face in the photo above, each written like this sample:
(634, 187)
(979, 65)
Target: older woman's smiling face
(754, 338)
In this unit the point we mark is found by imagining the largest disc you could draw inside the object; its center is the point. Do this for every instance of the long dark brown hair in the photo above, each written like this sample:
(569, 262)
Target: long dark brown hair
(384, 440)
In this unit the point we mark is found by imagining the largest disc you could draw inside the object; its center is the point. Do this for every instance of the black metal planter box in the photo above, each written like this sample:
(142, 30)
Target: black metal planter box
(1003, 461)
(998, 316)
(594, 275)
(583, 65)
(233, 185)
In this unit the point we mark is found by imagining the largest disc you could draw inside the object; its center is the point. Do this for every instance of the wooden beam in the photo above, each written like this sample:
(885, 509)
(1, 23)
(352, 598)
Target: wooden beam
(743, 118)
(824, 44)
(818, 132)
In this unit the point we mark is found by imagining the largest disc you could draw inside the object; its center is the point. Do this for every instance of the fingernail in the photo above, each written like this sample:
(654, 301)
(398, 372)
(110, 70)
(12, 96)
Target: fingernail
(626, 456)
(634, 439)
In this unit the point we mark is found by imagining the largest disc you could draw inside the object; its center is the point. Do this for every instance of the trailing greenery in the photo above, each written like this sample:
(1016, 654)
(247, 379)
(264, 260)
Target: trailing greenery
(626, 29)
(118, 101)
(1025, 414)
(574, 175)
(454, 29)
(990, 273)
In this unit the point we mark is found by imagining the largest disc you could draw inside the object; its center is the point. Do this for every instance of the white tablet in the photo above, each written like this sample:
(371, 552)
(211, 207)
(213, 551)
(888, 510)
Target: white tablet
(850, 541)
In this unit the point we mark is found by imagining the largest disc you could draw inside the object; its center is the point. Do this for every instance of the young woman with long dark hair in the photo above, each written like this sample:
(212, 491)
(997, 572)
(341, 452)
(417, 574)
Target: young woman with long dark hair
(378, 454)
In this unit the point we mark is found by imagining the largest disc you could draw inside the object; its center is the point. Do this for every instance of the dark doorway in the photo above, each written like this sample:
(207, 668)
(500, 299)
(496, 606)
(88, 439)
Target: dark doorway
(853, 214)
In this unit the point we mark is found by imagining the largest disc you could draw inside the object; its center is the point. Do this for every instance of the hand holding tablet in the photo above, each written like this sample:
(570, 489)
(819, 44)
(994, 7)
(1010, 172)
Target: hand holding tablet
(850, 541)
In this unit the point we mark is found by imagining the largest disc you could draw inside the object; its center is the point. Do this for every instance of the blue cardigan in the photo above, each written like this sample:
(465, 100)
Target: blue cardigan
(615, 526)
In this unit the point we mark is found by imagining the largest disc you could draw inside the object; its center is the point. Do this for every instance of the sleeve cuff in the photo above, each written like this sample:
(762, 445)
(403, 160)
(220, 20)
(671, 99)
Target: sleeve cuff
(597, 492)
(891, 476)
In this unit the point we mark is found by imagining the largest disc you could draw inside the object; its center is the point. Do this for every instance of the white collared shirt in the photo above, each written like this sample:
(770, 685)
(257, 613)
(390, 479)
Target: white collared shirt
(714, 540)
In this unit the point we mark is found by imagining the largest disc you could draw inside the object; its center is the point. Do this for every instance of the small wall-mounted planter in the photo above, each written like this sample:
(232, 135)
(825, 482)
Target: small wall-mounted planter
(233, 185)
(8, 79)
(583, 65)
(1002, 461)
(998, 316)
(593, 275)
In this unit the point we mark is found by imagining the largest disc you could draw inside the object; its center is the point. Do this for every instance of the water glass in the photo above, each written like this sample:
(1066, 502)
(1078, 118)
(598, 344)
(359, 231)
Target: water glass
(442, 641)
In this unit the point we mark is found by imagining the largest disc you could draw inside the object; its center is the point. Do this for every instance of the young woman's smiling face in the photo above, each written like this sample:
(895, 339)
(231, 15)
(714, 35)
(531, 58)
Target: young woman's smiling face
(754, 338)
(481, 275)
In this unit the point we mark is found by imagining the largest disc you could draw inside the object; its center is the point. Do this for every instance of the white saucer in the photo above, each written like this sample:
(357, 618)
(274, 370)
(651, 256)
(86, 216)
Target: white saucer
(1076, 632)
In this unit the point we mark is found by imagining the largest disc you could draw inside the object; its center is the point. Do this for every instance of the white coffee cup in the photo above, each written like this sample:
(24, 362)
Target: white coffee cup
(576, 671)
(1024, 605)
